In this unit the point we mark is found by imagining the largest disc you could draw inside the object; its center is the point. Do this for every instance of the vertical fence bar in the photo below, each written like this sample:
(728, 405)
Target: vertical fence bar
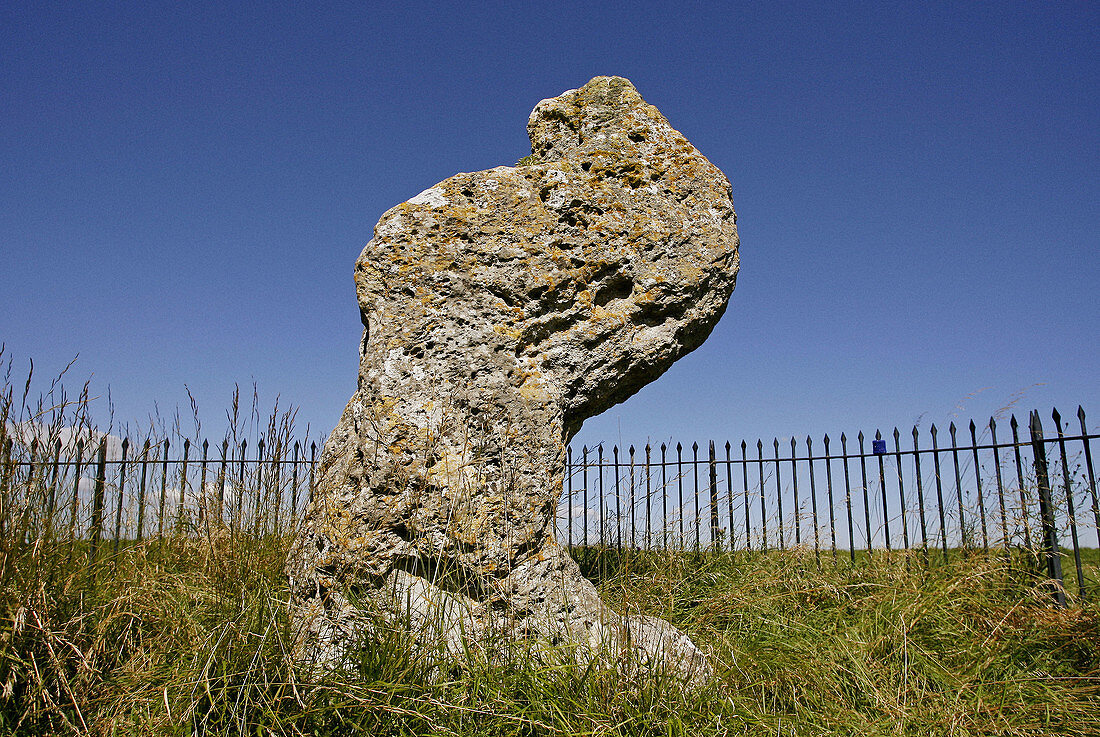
(978, 481)
(97, 500)
(141, 491)
(664, 496)
(1000, 482)
(715, 535)
(121, 493)
(832, 503)
(277, 484)
(75, 507)
(680, 491)
(163, 491)
(221, 481)
(729, 492)
(618, 501)
(763, 505)
(813, 501)
(745, 487)
(633, 510)
(779, 496)
(259, 487)
(7, 477)
(238, 497)
(882, 488)
(203, 496)
(52, 498)
(648, 498)
(584, 482)
(964, 537)
(1020, 482)
(23, 533)
(180, 508)
(1092, 475)
(603, 520)
(695, 473)
(866, 495)
(848, 499)
(939, 491)
(312, 468)
(1070, 506)
(294, 483)
(794, 491)
(1046, 513)
(569, 498)
(920, 494)
(901, 491)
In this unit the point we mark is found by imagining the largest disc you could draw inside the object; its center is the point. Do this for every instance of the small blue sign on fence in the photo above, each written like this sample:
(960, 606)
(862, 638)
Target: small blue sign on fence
(878, 447)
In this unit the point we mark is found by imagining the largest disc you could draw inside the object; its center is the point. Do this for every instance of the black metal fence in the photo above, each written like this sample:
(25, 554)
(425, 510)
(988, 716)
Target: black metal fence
(906, 492)
(911, 492)
(105, 489)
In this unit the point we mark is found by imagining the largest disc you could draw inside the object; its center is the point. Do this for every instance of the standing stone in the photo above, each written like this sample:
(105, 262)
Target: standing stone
(500, 310)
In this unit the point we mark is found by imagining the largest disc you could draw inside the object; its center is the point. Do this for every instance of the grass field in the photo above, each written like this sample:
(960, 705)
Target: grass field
(188, 636)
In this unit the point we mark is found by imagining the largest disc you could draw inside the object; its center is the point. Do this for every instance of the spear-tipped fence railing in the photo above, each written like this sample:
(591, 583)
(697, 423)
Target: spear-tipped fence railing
(990, 493)
(1030, 492)
(100, 490)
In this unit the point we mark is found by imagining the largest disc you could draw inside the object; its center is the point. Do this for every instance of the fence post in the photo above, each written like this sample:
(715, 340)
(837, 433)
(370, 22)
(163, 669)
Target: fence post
(1046, 513)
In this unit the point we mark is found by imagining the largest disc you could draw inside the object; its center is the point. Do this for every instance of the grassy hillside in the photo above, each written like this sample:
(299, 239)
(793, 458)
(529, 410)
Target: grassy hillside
(187, 636)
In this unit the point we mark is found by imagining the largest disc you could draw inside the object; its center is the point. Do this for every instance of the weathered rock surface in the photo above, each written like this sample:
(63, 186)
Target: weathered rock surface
(501, 309)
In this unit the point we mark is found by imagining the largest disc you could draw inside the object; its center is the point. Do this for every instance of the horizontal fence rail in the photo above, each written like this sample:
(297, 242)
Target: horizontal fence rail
(972, 490)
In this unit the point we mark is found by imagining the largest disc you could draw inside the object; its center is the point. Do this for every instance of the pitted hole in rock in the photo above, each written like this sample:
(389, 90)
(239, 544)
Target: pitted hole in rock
(619, 286)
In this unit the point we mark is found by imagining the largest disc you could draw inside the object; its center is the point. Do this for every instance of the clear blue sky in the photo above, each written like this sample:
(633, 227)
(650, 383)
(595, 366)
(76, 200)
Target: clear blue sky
(185, 188)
